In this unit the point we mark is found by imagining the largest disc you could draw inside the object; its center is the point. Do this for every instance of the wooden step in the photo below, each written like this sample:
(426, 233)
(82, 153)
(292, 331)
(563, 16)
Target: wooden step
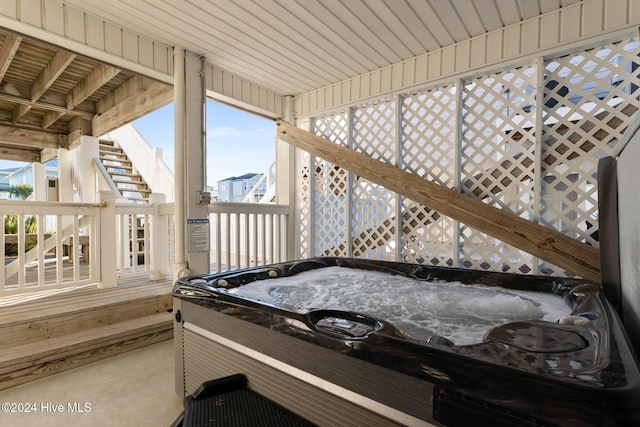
(133, 185)
(117, 159)
(112, 151)
(135, 190)
(31, 322)
(127, 179)
(28, 362)
(108, 142)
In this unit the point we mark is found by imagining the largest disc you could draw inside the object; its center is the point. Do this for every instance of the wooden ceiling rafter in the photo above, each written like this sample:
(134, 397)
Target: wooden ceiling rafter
(50, 97)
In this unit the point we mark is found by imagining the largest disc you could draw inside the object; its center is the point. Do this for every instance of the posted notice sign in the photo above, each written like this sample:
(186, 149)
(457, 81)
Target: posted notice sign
(198, 233)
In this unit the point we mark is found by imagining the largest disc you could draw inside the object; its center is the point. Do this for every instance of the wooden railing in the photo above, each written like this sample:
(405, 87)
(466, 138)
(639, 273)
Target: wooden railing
(108, 242)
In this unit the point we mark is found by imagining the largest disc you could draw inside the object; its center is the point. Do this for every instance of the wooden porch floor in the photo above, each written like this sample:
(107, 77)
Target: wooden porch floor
(51, 331)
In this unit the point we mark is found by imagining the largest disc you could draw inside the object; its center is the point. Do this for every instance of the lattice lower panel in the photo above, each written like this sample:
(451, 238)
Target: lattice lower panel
(331, 188)
(589, 99)
(373, 219)
(429, 150)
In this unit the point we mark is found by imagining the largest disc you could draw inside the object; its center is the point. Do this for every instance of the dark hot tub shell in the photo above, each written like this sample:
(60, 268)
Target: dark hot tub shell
(335, 367)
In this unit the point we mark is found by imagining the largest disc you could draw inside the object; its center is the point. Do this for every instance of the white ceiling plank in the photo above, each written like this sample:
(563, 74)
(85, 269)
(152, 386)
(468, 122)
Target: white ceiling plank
(449, 16)
(547, 6)
(433, 22)
(489, 14)
(509, 11)
(528, 8)
(467, 11)
(371, 29)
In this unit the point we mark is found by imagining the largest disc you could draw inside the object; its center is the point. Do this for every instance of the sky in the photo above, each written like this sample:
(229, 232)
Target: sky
(237, 142)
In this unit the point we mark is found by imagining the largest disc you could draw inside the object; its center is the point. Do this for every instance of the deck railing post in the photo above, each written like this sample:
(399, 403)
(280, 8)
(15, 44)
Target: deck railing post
(106, 240)
(155, 238)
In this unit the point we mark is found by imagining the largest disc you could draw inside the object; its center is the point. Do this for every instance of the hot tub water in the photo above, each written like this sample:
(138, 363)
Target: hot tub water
(461, 313)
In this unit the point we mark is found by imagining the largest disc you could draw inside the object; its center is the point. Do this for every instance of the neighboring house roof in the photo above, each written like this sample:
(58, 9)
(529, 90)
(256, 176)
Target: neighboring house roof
(241, 177)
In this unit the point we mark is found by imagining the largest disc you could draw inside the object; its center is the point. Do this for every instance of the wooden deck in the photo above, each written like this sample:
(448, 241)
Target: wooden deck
(54, 330)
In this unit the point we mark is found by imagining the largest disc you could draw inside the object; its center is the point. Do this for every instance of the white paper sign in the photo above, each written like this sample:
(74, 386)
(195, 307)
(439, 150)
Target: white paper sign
(198, 237)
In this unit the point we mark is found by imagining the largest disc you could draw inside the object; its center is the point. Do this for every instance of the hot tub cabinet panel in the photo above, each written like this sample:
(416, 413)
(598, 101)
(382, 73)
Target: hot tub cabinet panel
(342, 368)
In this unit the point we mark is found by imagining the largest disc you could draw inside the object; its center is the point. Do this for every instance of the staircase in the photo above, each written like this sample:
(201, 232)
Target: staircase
(122, 172)
(43, 337)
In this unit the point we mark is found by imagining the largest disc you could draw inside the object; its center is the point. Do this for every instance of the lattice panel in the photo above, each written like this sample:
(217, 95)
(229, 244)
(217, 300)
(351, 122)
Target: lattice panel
(429, 135)
(373, 213)
(498, 159)
(331, 186)
(427, 236)
(374, 128)
(429, 150)
(303, 203)
(373, 221)
(589, 99)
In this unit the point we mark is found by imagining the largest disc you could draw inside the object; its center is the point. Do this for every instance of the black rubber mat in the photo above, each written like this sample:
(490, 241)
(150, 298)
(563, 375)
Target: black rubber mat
(228, 403)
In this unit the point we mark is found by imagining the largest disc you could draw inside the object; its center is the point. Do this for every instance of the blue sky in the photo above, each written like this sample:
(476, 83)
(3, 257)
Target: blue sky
(237, 142)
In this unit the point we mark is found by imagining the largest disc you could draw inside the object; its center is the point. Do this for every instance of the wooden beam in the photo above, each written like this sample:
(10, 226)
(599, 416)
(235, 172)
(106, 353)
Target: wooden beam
(153, 96)
(94, 81)
(4, 96)
(533, 238)
(30, 139)
(17, 154)
(8, 51)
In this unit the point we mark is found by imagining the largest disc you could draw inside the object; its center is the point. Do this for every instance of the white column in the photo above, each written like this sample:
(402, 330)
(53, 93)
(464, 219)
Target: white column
(105, 241)
(191, 198)
(180, 202)
(156, 249)
(285, 181)
(39, 182)
(65, 182)
(90, 150)
(196, 155)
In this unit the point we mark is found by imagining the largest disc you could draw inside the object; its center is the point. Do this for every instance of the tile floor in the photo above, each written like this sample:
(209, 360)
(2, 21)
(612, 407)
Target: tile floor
(131, 389)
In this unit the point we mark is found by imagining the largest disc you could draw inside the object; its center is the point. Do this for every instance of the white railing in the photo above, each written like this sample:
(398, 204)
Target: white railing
(247, 234)
(268, 179)
(108, 242)
(58, 254)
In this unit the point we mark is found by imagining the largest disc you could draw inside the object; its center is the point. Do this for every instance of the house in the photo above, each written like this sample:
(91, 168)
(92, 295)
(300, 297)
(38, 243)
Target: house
(25, 175)
(236, 188)
(4, 182)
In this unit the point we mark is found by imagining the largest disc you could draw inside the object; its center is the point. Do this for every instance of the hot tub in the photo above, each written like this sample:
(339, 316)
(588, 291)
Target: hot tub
(345, 364)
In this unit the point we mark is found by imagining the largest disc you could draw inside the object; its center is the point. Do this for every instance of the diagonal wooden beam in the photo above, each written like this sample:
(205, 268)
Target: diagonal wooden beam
(533, 238)
(8, 51)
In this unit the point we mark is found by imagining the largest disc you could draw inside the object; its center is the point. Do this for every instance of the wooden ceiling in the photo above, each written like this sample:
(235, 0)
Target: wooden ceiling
(50, 97)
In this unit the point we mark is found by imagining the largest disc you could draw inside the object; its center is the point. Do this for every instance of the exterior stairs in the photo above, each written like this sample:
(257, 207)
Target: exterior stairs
(59, 332)
(122, 172)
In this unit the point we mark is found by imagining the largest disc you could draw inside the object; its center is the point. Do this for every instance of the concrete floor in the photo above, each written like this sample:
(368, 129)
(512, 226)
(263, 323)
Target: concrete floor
(131, 389)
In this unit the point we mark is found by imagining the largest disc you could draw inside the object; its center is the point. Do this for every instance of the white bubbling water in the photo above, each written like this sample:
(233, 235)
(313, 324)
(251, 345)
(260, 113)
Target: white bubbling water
(458, 312)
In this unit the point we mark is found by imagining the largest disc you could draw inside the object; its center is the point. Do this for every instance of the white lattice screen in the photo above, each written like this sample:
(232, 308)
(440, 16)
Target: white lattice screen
(526, 140)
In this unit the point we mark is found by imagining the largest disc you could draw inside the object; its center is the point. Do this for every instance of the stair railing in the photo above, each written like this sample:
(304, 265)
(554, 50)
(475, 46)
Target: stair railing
(105, 182)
